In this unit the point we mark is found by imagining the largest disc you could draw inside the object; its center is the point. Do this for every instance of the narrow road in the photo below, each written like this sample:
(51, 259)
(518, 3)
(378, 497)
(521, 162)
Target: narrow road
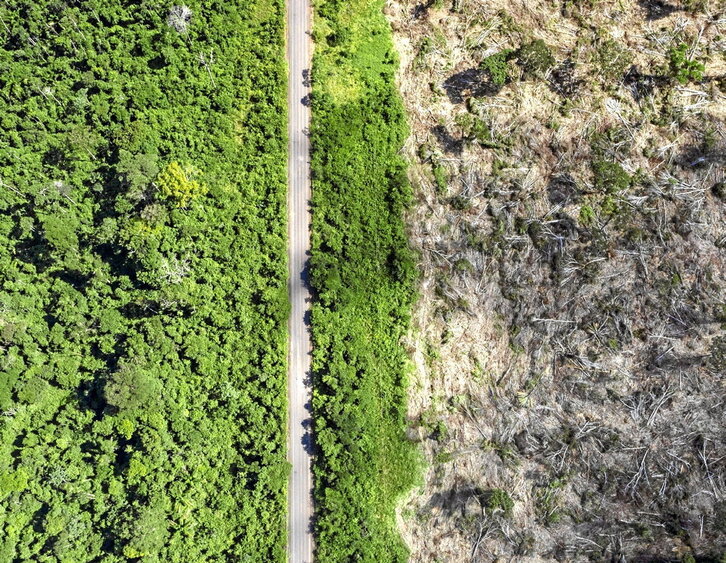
(300, 504)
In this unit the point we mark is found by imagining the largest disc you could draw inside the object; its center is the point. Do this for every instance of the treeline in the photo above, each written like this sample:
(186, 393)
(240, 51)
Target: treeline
(363, 274)
(143, 276)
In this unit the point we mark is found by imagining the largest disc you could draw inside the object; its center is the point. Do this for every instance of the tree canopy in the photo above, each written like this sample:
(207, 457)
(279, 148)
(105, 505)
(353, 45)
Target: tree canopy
(143, 276)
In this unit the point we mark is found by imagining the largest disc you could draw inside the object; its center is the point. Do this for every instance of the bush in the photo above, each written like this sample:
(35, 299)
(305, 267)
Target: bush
(497, 68)
(363, 273)
(610, 177)
(476, 129)
(683, 68)
(499, 500)
(535, 58)
(441, 178)
(611, 60)
(587, 215)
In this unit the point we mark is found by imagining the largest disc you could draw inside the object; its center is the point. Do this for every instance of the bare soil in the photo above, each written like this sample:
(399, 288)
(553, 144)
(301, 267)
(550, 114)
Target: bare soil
(569, 340)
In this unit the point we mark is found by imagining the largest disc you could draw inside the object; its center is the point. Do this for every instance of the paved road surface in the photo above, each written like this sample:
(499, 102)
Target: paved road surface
(300, 507)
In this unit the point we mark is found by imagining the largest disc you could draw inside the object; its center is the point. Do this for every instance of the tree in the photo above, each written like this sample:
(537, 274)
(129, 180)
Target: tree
(131, 387)
(137, 170)
(179, 18)
(177, 183)
(145, 531)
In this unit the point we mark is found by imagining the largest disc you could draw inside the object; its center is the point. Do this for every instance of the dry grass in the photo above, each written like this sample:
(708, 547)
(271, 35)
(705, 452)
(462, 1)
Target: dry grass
(567, 339)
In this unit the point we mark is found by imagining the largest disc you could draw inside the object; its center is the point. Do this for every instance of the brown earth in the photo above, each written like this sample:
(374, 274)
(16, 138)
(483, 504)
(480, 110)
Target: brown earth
(569, 340)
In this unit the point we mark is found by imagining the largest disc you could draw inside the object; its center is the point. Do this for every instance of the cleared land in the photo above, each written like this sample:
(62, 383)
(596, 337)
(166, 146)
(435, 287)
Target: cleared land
(568, 170)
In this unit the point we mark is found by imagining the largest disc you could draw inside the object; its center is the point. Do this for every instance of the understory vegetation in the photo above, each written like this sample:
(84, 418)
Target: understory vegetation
(568, 166)
(143, 275)
(363, 275)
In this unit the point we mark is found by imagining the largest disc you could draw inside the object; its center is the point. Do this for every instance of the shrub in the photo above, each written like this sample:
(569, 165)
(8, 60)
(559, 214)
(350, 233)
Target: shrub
(497, 68)
(548, 501)
(535, 58)
(462, 265)
(682, 67)
(611, 60)
(476, 129)
(441, 178)
(499, 500)
(610, 176)
(363, 274)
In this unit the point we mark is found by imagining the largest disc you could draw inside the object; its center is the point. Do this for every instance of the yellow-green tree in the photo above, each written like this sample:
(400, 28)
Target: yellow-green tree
(177, 182)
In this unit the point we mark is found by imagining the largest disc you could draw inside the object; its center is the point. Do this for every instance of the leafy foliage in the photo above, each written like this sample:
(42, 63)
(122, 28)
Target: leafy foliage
(610, 177)
(535, 58)
(682, 67)
(497, 68)
(177, 183)
(499, 500)
(363, 273)
(142, 314)
(611, 59)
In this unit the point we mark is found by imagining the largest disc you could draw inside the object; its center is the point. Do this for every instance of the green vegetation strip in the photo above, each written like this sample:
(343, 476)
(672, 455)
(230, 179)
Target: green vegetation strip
(364, 276)
(143, 281)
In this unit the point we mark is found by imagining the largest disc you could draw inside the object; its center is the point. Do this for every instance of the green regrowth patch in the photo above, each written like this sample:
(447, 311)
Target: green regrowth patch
(587, 216)
(498, 500)
(497, 68)
(535, 58)
(611, 60)
(548, 500)
(682, 67)
(441, 178)
(476, 129)
(142, 314)
(610, 177)
(363, 274)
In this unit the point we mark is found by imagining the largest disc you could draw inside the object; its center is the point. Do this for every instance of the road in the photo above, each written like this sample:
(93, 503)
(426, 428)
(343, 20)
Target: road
(300, 504)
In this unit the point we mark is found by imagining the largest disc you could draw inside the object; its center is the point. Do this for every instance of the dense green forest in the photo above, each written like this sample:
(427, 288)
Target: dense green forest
(143, 268)
(364, 276)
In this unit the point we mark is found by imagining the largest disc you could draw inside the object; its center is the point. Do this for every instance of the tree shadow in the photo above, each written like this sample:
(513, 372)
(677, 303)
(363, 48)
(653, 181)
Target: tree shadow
(305, 275)
(35, 251)
(453, 501)
(449, 143)
(90, 396)
(308, 441)
(467, 83)
(562, 190)
(421, 9)
(77, 280)
(564, 81)
(642, 85)
(656, 9)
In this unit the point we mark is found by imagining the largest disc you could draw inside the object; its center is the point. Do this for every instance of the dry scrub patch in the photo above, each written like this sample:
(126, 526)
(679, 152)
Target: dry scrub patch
(569, 340)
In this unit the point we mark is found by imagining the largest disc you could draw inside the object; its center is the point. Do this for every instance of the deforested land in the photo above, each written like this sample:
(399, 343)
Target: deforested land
(567, 162)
